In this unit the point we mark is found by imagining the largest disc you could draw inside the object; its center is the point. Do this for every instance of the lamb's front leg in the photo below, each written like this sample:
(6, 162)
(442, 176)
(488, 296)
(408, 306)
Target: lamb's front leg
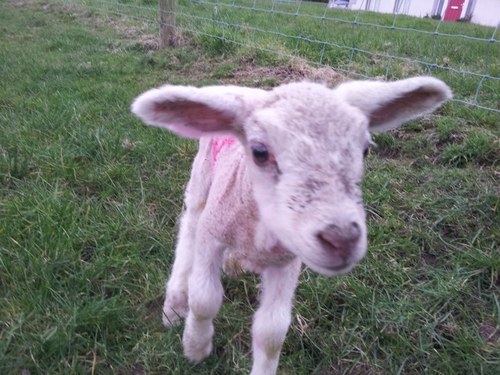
(176, 294)
(205, 299)
(175, 306)
(272, 319)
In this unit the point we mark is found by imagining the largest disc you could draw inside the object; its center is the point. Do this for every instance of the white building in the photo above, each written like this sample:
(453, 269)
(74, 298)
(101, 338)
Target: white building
(484, 12)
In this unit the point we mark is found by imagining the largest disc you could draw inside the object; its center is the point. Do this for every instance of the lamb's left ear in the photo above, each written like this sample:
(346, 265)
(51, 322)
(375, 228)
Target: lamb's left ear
(193, 112)
(388, 104)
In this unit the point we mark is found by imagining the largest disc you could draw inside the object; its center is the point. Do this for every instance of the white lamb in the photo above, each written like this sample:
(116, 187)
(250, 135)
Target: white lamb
(286, 192)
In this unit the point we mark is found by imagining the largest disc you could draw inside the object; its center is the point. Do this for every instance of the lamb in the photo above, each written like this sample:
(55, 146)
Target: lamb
(275, 183)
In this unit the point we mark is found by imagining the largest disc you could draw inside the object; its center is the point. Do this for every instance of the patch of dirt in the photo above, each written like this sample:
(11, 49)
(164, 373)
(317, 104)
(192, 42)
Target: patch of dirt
(296, 70)
(266, 77)
(429, 259)
(154, 309)
(490, 333)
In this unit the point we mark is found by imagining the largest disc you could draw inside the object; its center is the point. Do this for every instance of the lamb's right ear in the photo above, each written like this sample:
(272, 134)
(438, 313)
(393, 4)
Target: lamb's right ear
(193, 112)
(388, 104)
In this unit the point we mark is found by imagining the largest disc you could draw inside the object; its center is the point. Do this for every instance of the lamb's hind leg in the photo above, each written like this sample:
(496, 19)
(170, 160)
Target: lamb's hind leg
(272, 319)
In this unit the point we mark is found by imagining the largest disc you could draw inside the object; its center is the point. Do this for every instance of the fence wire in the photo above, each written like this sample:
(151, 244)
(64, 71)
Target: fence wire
(356, 43)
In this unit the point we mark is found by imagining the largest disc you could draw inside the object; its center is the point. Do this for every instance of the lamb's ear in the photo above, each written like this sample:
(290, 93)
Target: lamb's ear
(388, 104)
(193, 112)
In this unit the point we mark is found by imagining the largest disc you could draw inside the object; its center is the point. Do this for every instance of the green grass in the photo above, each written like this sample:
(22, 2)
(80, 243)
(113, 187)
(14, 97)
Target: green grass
(89, 200)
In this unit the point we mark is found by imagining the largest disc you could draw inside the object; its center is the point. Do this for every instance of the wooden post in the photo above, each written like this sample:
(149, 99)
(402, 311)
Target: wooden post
(167, 23)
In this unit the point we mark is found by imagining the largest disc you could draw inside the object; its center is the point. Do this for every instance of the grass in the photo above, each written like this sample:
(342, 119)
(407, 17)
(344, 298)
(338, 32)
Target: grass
(89, 200)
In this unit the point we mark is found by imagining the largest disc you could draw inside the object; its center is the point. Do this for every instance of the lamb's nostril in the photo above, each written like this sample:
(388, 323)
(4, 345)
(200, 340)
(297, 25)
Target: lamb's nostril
(340, 239)
(354, 231)
(328, 240)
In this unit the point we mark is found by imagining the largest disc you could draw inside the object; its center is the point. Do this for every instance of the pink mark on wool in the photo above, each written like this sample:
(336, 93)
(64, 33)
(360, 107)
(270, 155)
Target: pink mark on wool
(218, 144)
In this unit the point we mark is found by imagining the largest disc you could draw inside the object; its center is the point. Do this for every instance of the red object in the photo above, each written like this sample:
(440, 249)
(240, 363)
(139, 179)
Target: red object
(453, 10)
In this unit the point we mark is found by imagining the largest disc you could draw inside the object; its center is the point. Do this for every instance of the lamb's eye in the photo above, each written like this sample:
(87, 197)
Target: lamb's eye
(260, 153)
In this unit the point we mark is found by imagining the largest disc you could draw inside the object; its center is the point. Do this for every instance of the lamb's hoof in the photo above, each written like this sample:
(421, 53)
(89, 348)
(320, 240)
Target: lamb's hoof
(175, 309)
(196, 351)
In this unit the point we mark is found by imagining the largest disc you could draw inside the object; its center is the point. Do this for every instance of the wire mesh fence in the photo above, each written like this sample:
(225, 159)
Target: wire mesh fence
(357, 43)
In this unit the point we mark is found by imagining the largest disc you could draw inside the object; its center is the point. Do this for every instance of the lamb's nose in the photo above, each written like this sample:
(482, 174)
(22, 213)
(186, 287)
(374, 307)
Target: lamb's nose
(341, 239)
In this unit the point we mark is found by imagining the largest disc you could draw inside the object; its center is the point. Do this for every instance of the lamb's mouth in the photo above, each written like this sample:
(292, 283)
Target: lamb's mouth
(330, 270)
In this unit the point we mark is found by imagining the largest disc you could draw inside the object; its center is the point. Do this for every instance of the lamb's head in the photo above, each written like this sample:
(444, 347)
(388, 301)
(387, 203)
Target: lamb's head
(305, 145)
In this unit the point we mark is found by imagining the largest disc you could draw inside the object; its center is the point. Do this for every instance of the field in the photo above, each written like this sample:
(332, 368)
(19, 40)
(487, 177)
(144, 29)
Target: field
(89, 200)
(358, 43)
